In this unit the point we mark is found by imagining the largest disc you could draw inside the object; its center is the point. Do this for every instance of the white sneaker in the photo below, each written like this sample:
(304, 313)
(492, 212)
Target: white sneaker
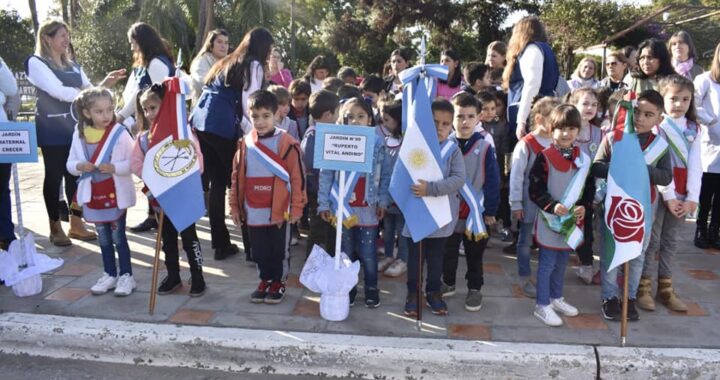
(396, 269)
(384, 263)
(548, 316)
(585, 273)
(125, 285)
(105, 283)
(563, 307)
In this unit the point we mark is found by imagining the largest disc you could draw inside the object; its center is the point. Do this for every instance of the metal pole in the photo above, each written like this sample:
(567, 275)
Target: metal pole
(338, 219)
(25, 262)
(623, 317)
(419, 282)
(156, 262)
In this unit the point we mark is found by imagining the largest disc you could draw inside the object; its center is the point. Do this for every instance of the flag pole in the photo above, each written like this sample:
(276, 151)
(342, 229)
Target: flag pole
(418, 320)
(338, 219)
(156, 262)
(623, 316)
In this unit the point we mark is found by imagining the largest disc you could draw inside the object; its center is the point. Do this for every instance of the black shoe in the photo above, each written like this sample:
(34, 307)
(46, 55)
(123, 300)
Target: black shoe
(197, 287)
(169, 284)
(276, 293)
(353, 294)
(248, 256)
(511, 249)
(436, 304)
(714, 237)
(701, 237)
(611, 309)
(146, 225)
(372, 298)
(224, 253)
(633, 314)
(258, 296)
(64, 211)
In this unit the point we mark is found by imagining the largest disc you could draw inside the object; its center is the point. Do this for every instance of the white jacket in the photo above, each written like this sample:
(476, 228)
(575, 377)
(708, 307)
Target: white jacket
(707, 101)
(120, 157)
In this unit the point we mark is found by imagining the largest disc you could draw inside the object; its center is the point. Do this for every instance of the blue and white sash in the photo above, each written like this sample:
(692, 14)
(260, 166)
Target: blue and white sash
(349, 219)
(679, 141)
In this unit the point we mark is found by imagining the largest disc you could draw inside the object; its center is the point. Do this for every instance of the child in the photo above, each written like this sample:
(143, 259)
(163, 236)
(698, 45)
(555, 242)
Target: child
(495, 55)
(486, 114)
(680, 199)
(588, 140)
(100, 154)
(267, 193)
(150, 100)
(483, 177)
(359, 240)
(323, 108)
(317, 71)
(447, 88)
(557, 179)
(477, 76)
(348, 75)
(393, 223)
(283, 121)
(373, 90)
(300, 93)
(647, 115)
(523, 210)
(453, 167)
(143, 124)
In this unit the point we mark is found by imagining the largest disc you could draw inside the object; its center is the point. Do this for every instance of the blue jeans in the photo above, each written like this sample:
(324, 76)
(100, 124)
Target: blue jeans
(359, 243)
(550, 274)
(610, 287)
(110, 234)
(433, 251)
(393, 226)
(524, 242)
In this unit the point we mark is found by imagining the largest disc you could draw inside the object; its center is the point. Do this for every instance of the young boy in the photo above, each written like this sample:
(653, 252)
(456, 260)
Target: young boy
(483, 176)
(300, 93)
(283, 121)
(434, 245)
(523, 210)
(373, 89)
(267, 193)
(647, 115)
(477, 76)
(557, 179)
(323, 109)
(486, 114)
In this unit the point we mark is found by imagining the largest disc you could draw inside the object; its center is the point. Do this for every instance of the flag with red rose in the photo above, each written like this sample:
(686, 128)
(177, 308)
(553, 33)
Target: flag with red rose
(628, 210)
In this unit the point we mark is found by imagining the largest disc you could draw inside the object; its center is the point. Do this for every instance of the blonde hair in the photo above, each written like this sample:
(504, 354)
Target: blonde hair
(715, 67)
(543, 107)
(84, 101)
(42, 47)
(528, 29)
(576, 73)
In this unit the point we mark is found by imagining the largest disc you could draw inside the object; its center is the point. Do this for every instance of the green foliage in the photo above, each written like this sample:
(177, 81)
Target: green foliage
(17, 41)
(704, 32)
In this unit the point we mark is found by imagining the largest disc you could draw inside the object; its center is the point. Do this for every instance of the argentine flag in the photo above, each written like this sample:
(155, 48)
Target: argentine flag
(171, 169)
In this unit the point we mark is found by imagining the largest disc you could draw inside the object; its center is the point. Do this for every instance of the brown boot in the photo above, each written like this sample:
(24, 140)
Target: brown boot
(79, 231)
(644, 294)
(57, 235)
(667, 296)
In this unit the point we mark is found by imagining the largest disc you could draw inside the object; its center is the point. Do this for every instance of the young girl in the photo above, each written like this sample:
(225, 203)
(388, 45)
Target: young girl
(364, 198)
(588, 140)
(683, 53)
(523, 210)
(394, 221)
(681, 131)
(556, 187)
(447, 88)
(150, 101)
(653, 64)
(707, 93)
(317, 71)
(584, 75)
(100, 154)
(495, 55)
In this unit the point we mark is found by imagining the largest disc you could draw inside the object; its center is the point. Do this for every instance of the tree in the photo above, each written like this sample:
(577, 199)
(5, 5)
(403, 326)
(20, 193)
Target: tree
(17, 40)
(206, 22)
(34, 15)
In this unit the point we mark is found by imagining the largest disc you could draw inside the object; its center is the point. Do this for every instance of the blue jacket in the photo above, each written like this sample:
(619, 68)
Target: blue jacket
(219, 110)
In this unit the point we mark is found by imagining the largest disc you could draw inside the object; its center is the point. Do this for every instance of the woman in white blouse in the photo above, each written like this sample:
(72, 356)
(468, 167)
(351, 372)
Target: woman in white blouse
(214, 49)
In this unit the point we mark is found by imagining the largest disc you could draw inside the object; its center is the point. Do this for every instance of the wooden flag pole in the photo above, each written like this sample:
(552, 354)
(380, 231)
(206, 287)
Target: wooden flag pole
(418, 320)
(156, 262)
(623, 316)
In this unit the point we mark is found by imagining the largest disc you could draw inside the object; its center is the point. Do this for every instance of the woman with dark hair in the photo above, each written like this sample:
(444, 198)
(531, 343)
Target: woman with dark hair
(683, 53)
(317, 71)
(214, 49)
(58, 81)
(220, 118)
(447, 88)
(399, 61)
(653, 64)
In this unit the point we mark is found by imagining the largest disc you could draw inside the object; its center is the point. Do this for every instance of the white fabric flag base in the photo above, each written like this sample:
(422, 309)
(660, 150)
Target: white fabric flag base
(25, 280)
(320, 276)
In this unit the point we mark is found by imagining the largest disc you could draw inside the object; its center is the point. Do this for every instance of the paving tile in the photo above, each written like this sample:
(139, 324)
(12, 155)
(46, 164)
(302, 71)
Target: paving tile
(586, 322)
(491, 268)
(75, 269)
(694, 310)
(192, 317)
(307, 308)
(68, 294)
(474, 332)
(293, 281)
(517, 291)
(701, 274)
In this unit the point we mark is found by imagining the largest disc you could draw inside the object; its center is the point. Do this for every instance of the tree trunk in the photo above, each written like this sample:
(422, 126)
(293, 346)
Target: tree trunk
(74, 13)
(64, 8)
(34, 15)
(206, 22)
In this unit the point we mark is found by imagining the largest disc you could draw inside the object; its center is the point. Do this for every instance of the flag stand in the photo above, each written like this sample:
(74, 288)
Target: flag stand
(418, 320)
(623, 315)
(338, 219)
(156, 262)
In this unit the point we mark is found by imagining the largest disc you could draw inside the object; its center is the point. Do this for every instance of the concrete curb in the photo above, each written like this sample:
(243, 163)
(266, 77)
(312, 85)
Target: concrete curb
(291, 353)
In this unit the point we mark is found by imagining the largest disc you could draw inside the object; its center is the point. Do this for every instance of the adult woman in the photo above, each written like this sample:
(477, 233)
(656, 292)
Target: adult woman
(58, 81)
(217, 119)
(399, 61)
(447, 88)
(215, 48)
(615, 66)
(532, 70)
(584, 75)
(8, 90)
(683, 53)
(653, 64)
(278, 73)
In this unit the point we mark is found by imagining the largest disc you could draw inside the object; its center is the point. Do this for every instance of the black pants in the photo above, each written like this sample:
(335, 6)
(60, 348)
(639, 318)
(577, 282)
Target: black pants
(270, 247)
(585, 251)
(54, 160)
(709, 199)
(321, 232)
(7, 229)
(433, 251)
(474, 251)
(218, 155)
(190, 243)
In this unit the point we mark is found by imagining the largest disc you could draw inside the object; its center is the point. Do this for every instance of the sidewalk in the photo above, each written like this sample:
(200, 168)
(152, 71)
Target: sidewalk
(506, 315)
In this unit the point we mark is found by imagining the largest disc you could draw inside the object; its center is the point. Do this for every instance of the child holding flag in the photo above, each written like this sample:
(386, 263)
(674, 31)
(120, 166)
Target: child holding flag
(100, 155)
(647, 114)
(480, 197)
(267, 193)
(557, 179)
(681, 198)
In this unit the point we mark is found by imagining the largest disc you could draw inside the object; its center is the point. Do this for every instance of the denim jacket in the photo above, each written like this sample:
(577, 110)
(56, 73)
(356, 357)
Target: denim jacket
(376, 182)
